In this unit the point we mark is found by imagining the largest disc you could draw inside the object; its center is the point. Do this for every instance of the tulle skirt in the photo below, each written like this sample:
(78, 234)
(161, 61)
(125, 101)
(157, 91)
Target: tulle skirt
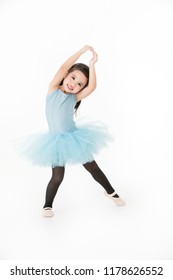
(58, 149)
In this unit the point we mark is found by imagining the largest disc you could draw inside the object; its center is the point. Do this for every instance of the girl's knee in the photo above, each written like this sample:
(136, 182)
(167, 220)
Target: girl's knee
(58, 175)
(57, 180)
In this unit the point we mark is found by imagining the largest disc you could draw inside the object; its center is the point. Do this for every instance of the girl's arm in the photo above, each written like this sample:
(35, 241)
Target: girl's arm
(63, 70)
(92, 79)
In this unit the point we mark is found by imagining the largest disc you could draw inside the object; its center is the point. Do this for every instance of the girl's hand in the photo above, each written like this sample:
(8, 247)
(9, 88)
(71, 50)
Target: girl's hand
(86, 48)
(94, 58)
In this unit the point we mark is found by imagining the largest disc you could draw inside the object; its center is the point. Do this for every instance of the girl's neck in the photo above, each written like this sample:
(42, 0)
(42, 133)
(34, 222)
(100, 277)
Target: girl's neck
(62, 89)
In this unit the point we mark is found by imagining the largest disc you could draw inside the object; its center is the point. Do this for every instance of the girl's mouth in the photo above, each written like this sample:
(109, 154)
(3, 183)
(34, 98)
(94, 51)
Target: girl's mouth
(70, 87)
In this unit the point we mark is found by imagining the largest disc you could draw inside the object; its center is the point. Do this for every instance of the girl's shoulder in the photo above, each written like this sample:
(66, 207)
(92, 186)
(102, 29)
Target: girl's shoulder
(52, 90)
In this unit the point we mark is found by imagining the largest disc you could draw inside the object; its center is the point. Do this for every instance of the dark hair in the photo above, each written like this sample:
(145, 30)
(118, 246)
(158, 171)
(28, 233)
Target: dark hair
(85, 70)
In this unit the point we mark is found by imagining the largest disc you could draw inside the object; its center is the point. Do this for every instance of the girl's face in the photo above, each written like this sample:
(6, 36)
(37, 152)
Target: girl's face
(74, 82)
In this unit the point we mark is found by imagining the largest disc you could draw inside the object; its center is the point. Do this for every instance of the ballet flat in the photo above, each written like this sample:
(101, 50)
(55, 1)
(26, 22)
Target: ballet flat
(48, 212)
(118, 200)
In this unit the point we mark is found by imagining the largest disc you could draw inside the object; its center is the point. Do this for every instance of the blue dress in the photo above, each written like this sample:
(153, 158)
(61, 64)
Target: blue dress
(65, 142)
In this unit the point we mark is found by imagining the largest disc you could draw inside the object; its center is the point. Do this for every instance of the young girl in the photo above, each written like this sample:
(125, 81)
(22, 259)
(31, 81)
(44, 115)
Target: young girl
(66, 142)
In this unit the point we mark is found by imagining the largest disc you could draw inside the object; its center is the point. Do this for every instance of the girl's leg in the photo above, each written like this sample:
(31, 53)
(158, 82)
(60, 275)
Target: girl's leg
(57, 177)
(99, 176)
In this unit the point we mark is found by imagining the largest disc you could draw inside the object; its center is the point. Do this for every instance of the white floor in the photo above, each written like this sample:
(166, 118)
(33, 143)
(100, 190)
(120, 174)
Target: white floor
(86, 225)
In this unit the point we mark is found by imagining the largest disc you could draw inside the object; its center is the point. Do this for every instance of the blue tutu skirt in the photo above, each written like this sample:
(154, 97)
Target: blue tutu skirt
(58, 149)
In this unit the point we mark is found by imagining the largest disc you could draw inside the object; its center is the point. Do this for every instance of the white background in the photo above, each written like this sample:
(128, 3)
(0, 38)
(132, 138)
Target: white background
(134, 97)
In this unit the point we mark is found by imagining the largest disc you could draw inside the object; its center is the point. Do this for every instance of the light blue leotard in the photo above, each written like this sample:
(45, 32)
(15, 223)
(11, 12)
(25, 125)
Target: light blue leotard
(65, 142)
(59, 111)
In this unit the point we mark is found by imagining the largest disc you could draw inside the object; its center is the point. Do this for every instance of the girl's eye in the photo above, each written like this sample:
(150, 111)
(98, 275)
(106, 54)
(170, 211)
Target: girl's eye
(79, 84)
(73, 78)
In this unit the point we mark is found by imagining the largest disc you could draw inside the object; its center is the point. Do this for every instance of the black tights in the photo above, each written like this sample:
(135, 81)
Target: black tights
(58, 175)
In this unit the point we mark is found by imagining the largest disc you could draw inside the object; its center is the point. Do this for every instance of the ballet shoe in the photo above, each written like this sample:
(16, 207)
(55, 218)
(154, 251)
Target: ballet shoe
(48, 212)
(118, 200)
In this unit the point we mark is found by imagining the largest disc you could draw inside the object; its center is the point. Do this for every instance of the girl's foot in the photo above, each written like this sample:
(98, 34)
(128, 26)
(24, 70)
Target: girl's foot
(48, 212)
(118, 201)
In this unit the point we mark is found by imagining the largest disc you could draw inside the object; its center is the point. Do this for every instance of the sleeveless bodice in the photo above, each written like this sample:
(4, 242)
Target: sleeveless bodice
(59, 111)
(65, 142)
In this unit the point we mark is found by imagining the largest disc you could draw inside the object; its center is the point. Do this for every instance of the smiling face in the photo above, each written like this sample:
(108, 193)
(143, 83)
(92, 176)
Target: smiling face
(74, 82)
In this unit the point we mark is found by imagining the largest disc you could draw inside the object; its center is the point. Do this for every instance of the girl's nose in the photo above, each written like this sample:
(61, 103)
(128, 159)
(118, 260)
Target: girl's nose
(73, 84)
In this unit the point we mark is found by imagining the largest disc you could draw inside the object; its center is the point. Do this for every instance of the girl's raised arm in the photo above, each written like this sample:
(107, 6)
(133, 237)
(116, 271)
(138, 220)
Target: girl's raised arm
(92, 79)
(63, 70)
